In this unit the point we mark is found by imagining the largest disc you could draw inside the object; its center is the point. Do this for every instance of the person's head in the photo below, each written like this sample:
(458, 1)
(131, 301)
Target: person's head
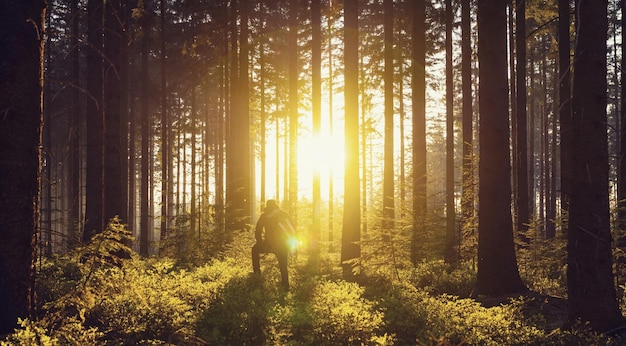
(271, 205)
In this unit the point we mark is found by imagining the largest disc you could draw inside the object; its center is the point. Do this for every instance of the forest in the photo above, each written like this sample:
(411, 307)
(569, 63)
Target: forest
(454, 171)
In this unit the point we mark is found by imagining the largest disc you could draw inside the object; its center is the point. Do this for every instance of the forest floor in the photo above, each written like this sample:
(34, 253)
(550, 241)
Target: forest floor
(159, 301)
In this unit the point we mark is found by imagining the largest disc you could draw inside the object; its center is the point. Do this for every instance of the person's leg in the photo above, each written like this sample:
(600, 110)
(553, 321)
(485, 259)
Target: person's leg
(256, 261)
(283, 257)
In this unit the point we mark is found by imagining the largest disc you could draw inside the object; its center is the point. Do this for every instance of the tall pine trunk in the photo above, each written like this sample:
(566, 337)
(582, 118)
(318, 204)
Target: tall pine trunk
(520, 114)
(450, 211)
(114, 197)
(145, 143)
(389, 176)
(497, 265)
(94, 221)
(565, 110)
(418, 82)
(21, 77)
(293, 108)
(316, 62)
(467, 204)
(590, 287)
(351, 233)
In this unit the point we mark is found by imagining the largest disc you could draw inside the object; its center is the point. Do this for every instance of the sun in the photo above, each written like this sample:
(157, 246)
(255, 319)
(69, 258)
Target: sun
(323, 154)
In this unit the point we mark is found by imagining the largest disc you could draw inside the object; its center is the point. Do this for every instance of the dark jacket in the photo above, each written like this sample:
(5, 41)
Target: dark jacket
(272, 227)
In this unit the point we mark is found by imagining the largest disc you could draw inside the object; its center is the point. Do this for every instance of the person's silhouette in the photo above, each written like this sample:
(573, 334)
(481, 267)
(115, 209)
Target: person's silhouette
(272, 233)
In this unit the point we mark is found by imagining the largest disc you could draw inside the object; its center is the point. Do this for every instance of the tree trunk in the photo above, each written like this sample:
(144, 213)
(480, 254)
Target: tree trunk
(497, 266)
(331, 197)
(351, 233)
(590, 286)
(233, 168)
(513, 100)
(21, 77)
(165, 149)
(520, 114)
(248, 196)
(389, 174)
(418, 82)
(193, 215)
(621, 186)
(565, 111)
(74, 134)
(467, 204)
(145, 143)
(450, 255)
(316, 62)
(293, 108)
(94, 221)
(115, 204)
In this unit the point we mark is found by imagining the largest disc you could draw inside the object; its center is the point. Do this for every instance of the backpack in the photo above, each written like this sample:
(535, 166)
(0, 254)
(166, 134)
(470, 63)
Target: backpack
(281, 230)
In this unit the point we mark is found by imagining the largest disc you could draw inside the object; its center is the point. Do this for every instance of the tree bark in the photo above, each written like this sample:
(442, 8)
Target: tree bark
(94, 202)
(450, 255)
(590, 286)
(389, 174)
(497, 265)
(292, 43)
(114, 198)
(418, 82)
(145, 145)
(467, 204)
(165, 149)
(521, 129)
(21, 79)
(351, 233)
(565, 110)
(316, 62)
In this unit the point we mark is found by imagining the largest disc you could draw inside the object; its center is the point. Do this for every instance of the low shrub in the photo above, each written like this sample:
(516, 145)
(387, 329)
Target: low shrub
(341, 316)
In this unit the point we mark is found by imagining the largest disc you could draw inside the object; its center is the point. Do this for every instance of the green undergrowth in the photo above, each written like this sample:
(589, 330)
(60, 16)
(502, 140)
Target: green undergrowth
(105, 295)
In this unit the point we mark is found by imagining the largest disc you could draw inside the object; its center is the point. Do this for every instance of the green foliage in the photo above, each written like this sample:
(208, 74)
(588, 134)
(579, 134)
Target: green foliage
(542, 266)
(103, 294)
(438, 277)
(238, 316)
(341, 316)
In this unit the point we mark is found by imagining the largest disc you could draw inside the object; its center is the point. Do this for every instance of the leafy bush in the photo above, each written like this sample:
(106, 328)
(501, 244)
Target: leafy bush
(438, 277)
(238, 316)
(341, 316)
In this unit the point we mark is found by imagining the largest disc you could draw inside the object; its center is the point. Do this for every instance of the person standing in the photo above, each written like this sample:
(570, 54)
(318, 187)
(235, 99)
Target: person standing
(274, 231)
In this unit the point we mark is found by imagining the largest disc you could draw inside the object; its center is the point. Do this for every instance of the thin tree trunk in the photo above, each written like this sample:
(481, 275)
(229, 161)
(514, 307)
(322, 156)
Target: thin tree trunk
(165, 149)
(621, 186)
(233, 168)
(351, 233)
(565, 111)
(193, 215)
(513, 100)
(521, 136)
(450, 209)
(467, 204)
(293, 108)
(248, 195)
(331, 197)
(74, 133)
(94, 199)
(263, 124)
(418, 82)
(145, 148)
(115, 205)
(316, 62)
(389, 174)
